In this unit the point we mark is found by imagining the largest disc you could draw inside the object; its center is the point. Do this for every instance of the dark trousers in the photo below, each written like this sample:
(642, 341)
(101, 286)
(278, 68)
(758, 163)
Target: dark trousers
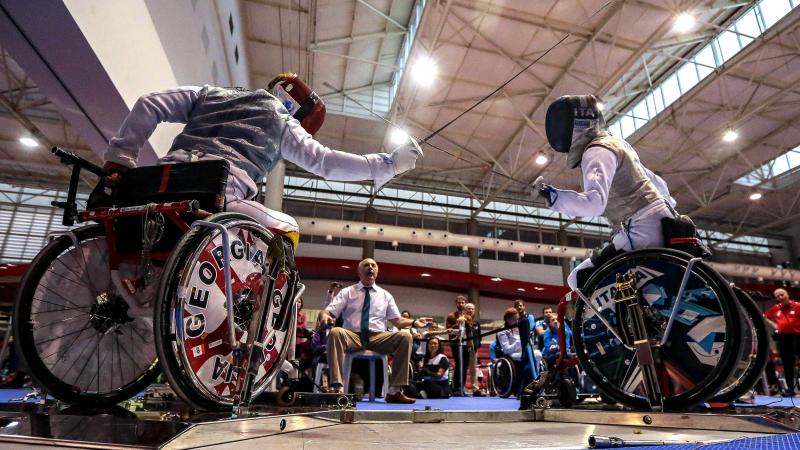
(788, 346)
(461, 366)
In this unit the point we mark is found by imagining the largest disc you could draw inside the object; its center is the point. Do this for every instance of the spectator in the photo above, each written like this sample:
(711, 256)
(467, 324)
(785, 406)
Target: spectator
(417, 349)
(474, 344)
(508, 340)
(458, 344)
(550, 351)
(433, 371)
(541, 325)
(302, 335)
(520, 307)
(365, 308)
(785, 318)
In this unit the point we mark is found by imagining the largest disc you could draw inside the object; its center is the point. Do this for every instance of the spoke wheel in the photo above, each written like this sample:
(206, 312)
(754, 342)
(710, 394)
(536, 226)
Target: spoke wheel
(80, 333)
(503, 374)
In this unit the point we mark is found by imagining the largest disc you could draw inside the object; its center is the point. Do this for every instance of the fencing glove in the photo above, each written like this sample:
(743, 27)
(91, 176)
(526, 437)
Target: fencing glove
(404, 157)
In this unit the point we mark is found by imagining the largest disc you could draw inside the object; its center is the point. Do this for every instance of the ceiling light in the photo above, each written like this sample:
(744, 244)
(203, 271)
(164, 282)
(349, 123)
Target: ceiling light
(424, 274)
(755, 196)
(423, 71)
(730, 135)
(398, 136)
(541, 159)
(683, 23)
(497, 279)
(600, 106)
(521, 289)
(345, 267)
(28, 141)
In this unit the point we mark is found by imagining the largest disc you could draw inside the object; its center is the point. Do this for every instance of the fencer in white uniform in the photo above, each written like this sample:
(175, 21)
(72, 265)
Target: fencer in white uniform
(253, 130)
(615, 183)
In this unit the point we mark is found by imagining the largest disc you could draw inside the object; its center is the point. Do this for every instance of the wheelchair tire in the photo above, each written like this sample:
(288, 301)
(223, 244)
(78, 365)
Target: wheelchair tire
(708, 332)
(504, 373)
(754, 357)
(104, 349)
(197, 359)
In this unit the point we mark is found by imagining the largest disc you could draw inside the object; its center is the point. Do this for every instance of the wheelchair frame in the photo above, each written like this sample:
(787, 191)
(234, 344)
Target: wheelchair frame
(175, 211)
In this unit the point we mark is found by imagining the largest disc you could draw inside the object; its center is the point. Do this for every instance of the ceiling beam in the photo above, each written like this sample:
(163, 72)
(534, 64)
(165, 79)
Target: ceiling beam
(356, 38)
(382, 14)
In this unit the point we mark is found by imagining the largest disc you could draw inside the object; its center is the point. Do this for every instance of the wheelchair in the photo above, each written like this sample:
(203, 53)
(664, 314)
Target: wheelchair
(658, 329)
(504, 375)
(163, 280)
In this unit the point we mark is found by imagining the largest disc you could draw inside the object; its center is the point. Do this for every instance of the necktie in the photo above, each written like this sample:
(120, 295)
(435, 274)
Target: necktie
(365, 319)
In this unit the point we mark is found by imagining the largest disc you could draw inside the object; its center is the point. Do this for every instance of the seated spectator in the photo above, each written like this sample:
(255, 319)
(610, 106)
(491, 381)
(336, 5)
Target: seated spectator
(433, 372)
(365, 309)
(508, 340)
(551, 350)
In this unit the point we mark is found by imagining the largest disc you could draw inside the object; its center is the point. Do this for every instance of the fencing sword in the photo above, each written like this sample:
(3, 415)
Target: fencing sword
(427, 138)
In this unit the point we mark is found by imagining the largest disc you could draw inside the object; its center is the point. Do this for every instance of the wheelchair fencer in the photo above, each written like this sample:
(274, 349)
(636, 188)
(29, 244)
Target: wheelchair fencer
(164, 280)
(658, 329)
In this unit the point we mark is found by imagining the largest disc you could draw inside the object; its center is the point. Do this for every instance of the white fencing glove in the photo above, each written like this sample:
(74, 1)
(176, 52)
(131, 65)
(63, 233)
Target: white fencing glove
(542, 191)
(404, 157)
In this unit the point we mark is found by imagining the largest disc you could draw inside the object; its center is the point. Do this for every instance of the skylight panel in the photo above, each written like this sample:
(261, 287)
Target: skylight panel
(765, 175)
(752, 24)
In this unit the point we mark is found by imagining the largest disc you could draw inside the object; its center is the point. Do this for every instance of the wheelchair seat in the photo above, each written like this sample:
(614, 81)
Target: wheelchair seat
(203, 181)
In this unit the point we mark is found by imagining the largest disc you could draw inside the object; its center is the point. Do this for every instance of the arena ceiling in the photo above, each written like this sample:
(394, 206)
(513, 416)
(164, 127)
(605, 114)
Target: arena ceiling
(355, 53)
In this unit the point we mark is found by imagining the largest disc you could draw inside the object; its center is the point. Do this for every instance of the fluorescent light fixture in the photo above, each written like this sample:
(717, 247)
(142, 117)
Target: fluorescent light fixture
(541, 159)
(423, 72)
(730, 135)
(398, 136)
(684, 23)
(755, 196)
(28, 141)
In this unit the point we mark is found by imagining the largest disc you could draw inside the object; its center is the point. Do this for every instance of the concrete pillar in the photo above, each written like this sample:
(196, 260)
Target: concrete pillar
(273, 198)
(368, 246)
(473, 293)
(561, 236)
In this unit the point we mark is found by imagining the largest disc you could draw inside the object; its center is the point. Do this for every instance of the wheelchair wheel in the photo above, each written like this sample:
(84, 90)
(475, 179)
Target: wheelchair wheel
(83, 337)
(703, 345)
(192, 337)
(755, 350)
(504, 373)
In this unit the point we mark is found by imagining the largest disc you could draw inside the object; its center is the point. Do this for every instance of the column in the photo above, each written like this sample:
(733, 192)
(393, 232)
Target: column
(473, 293)
(368, 246)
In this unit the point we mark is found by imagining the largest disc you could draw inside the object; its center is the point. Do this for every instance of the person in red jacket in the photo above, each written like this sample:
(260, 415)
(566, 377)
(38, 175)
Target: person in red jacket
(785, 318)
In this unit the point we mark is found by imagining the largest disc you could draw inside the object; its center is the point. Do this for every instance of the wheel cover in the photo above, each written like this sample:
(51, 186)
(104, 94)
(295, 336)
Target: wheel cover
(199, 318)
(686, 363)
